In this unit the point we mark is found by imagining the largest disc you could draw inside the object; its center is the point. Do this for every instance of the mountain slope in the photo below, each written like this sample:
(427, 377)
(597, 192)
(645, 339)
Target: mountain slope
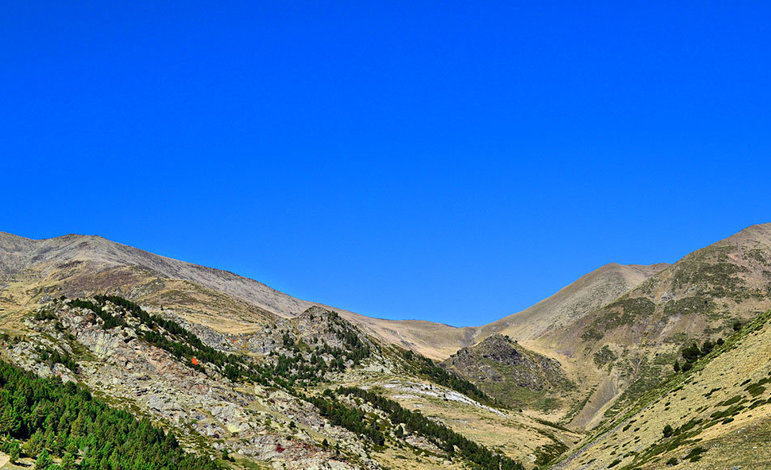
(80, 265)
(718, 415)
(731, 278)
(229, 363)
(586, 294)
(627, 346)
(266, 397)
(98, 255)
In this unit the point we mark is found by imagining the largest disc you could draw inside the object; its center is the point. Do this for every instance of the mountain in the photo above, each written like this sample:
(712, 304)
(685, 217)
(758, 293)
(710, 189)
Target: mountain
(80, 265)
(588, 293)
(271, 396)
(627, 346)
(510, 373)
(244, 375)
(239, 372)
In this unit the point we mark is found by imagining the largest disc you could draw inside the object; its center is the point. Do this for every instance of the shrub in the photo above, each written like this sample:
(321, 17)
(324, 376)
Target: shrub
(695, 454)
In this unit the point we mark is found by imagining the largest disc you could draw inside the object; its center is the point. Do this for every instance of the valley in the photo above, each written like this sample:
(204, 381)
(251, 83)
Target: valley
(244, 376)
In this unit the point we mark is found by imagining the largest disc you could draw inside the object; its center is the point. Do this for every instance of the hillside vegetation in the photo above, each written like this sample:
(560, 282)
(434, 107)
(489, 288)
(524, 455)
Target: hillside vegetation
(262, 397)
(628, 367)
(715, 414)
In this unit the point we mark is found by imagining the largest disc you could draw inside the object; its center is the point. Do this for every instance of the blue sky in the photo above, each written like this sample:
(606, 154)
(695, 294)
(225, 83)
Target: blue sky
(449, 161)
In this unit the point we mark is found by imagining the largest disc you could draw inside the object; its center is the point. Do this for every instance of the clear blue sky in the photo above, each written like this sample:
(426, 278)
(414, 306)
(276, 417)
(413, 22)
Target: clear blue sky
(451, 161)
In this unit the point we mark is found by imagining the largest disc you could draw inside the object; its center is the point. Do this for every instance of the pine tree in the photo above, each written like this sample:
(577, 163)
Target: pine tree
(78, 426)
(68, 462)
(43, 460)
(14, 451)
(9, 421)
(35, 444)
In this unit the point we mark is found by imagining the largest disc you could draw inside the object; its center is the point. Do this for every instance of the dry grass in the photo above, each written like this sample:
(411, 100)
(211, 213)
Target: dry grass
(732, 439)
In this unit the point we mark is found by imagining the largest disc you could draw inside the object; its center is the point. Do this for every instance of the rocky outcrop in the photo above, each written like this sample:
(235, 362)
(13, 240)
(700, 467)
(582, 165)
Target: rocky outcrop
(259, 423)
(500, 366)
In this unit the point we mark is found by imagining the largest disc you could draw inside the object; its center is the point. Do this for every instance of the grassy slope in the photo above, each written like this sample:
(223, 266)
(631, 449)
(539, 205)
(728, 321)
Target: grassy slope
(722, 406)
(519, 435)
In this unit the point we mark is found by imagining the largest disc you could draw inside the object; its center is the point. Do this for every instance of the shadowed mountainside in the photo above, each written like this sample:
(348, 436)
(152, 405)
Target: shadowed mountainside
(510, 373)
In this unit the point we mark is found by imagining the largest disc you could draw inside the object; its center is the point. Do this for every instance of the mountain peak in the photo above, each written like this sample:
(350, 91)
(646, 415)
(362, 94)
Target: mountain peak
(587, 293)
(758, 233)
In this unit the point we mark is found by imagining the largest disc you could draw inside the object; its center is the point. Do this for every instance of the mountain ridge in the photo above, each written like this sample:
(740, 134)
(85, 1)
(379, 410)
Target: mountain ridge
(433, 339)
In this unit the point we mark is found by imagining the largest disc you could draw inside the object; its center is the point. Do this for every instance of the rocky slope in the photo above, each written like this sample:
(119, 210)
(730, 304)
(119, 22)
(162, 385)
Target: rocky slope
(268, 397)
(259, 421)
(510, 373)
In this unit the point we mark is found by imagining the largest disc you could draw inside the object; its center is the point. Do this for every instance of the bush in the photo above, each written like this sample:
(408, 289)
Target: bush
(691, 353)
(695, 454)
